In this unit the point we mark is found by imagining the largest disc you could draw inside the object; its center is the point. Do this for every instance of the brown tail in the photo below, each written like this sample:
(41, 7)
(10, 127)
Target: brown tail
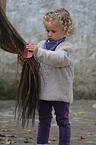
(28, 91)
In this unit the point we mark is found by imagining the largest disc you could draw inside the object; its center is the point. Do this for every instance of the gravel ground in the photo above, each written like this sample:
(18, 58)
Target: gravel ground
(82, 119)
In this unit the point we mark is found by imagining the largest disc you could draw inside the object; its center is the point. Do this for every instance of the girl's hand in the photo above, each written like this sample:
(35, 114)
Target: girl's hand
(32, 47)
(21, 57)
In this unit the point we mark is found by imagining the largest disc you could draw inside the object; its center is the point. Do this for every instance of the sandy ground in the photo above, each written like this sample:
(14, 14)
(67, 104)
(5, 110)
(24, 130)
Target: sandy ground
(82, 119)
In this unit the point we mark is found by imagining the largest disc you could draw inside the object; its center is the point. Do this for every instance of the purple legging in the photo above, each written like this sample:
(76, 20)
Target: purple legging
(62, 118)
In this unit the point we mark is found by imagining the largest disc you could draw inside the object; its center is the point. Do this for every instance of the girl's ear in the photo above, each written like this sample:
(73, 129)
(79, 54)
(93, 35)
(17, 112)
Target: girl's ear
(64, 32)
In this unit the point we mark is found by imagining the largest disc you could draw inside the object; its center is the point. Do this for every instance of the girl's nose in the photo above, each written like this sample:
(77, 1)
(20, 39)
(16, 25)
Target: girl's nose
(49, 34)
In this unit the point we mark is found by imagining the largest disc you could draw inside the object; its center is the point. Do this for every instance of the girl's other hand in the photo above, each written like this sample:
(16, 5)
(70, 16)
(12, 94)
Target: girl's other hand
(32, 47)
(21, 57)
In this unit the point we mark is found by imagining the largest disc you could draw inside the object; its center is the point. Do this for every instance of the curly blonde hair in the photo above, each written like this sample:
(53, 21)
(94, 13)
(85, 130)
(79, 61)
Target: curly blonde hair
(65, 19)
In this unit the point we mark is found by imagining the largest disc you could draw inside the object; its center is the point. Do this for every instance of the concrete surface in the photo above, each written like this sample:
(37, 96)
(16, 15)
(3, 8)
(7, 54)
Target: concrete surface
(82, 119)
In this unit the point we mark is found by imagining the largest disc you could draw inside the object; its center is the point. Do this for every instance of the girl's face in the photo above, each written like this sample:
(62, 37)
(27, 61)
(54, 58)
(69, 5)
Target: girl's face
(54, 30)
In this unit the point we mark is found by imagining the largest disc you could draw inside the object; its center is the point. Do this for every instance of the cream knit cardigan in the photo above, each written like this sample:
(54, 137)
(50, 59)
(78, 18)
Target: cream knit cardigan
(57, 72)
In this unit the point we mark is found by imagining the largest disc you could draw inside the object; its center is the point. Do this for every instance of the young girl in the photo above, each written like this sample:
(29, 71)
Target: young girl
(57, 68)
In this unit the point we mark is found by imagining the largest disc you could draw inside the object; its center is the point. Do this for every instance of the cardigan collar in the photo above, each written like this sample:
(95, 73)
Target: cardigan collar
(51, 45)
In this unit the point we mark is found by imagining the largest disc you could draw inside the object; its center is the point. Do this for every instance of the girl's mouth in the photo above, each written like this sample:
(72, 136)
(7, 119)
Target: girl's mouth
(51, 39)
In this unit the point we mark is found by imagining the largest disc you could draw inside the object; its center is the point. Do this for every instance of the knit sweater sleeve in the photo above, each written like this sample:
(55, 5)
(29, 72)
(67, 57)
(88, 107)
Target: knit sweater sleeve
(56, 58)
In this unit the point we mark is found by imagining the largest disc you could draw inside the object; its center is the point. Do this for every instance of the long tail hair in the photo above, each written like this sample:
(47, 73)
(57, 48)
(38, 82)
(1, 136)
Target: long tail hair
(28, 90)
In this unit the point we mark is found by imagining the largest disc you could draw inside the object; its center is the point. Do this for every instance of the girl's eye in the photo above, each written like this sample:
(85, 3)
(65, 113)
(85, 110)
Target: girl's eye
(54, 31)
(47, 31)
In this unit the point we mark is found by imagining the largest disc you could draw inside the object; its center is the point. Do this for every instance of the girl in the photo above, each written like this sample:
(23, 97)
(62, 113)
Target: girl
(57, 68)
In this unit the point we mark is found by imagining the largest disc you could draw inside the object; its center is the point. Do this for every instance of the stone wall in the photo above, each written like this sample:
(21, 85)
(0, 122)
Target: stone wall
(26, 16)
